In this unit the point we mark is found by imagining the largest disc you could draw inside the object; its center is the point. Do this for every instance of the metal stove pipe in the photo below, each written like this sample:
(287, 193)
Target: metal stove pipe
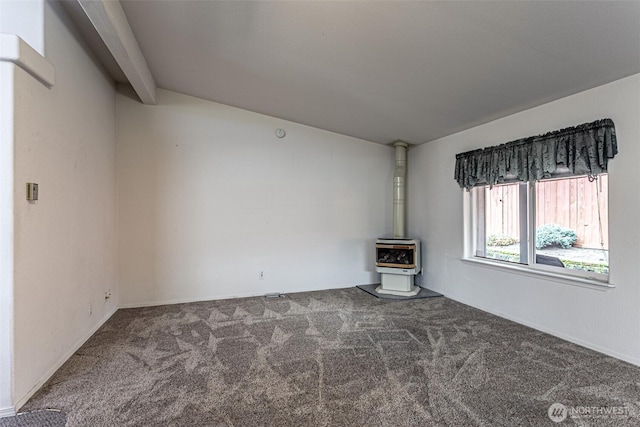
(399, 178)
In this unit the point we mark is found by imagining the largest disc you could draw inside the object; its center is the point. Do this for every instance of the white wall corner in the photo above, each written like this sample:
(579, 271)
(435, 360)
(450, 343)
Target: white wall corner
(23, 399)
(6, 238)
(13, 49)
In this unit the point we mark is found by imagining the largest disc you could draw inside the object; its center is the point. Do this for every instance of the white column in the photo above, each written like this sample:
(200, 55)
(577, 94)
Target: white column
(21, 45)
(6, 238)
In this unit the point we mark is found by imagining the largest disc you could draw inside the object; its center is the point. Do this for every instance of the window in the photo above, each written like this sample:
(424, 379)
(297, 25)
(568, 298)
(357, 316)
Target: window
(558, 225)
(541, 202)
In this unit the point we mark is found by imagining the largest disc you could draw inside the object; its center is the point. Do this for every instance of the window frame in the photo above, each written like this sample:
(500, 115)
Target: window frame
(471, 207)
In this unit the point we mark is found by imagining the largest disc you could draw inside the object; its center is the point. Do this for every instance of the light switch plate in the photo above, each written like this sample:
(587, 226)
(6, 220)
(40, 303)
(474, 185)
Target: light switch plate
(32, 191)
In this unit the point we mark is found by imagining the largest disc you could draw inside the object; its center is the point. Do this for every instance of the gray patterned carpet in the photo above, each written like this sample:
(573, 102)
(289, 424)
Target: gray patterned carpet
(332, 358)
(45, 418)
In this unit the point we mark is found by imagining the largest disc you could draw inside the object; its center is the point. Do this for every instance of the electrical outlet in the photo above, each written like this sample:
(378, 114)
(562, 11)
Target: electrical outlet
(90, 309)
(107, 295)
(261, 275)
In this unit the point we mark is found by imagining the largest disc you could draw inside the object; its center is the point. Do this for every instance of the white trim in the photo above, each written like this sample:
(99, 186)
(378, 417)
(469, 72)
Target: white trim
(189, 300)
(7, 412)
(222, 297)
(634, 360)
(14, 49)
(524, 270)
(21, 401)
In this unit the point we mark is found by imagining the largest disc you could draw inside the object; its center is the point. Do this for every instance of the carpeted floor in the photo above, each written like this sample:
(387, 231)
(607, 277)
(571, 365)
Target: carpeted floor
(44, 418)
(332, 358)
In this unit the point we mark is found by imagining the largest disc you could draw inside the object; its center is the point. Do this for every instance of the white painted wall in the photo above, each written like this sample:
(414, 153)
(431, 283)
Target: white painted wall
(65, 244)
(6, 238)
(26, 19)
(208, 197)
(606, 321)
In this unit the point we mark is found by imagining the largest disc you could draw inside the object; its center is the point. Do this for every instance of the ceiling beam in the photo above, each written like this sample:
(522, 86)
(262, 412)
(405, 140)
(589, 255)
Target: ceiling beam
(110, 22)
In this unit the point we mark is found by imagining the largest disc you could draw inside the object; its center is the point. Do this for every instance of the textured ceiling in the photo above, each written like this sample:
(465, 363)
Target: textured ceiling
(382, 71)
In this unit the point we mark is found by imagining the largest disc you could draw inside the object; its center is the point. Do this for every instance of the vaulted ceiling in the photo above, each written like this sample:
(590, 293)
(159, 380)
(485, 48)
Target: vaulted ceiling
(383, 71)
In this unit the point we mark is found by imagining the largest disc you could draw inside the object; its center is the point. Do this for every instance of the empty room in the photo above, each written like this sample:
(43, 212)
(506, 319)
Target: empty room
(319, 213)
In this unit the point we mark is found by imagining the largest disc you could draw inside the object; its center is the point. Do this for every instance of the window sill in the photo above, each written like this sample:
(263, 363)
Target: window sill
(541, 274)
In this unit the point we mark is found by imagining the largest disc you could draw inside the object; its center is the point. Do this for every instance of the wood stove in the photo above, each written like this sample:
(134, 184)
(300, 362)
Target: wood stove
(398, 258)
(398, 261)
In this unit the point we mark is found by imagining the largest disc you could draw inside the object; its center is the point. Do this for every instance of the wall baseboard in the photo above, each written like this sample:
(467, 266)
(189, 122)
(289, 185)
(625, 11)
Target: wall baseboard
(7, 412)
(624, 357)
(21, 401)
(188, 300)
(220, 297)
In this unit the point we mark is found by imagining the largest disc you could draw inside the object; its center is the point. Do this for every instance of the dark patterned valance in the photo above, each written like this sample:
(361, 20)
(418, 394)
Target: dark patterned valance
(579, 150)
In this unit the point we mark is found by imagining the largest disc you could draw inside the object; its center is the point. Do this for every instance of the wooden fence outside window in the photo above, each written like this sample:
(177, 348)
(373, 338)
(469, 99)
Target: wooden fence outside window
(574, 203)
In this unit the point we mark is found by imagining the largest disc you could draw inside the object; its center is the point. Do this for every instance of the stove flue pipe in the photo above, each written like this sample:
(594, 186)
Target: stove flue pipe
(399, 190)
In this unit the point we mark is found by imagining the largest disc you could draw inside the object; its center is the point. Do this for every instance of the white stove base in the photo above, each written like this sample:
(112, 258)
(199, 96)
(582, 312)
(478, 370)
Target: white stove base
(413, 292)
(398, 284)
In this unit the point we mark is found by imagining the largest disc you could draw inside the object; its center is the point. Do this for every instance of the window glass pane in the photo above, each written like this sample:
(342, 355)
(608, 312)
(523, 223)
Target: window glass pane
(502, 216)
(572, 223)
